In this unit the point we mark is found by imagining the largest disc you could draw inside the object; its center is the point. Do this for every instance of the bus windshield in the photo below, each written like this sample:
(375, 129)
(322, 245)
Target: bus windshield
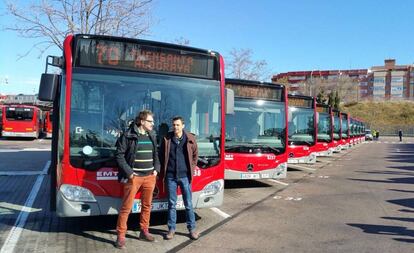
(104, 103)
(337, 128)
(324, 127)
(17, 113)
(344, 127)
(301, 126)
(256, 123)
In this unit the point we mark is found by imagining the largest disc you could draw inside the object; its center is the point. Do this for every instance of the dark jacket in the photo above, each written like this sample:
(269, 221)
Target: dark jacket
(177, 165)
(126, 148)
(191, 156)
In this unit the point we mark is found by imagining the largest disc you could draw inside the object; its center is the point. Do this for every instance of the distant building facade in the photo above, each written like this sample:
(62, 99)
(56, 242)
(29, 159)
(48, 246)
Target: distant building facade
(388, 82)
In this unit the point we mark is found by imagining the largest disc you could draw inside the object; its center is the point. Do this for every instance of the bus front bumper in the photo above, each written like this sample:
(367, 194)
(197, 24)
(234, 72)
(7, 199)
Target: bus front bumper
(208, 197)
(279, 172)
(19, 134)
(328, 152)
(305, 159)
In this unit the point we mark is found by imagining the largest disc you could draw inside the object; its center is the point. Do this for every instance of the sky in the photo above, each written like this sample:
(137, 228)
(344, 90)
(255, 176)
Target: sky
(288, 35)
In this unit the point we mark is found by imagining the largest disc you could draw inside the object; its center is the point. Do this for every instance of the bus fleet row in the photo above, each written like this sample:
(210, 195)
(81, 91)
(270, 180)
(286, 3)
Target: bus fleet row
(269, 129)
(244, 129)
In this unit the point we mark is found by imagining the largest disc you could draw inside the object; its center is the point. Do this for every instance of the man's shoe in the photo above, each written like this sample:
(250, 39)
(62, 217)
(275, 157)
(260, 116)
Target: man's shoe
(120, 242)
(170, 235)
(194, 235)
(146, 236)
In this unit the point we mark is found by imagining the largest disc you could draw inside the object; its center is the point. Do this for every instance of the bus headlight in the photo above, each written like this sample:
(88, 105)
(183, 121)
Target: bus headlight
(77, 193)
(281, 168)
(213, 188)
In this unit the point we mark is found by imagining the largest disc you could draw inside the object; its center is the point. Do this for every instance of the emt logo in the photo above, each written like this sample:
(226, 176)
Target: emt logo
(106, 174)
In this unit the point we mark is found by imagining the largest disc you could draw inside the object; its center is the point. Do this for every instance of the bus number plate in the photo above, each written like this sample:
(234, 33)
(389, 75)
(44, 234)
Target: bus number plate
(250, 176)
(156, 206)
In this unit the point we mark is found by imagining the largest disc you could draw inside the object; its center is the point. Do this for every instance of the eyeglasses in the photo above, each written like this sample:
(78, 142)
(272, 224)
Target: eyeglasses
(149, 121)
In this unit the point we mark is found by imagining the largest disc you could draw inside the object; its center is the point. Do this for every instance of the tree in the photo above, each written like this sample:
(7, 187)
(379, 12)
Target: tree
(331, 100)
(241, 65)
(321, 97)
(49, 21)
(337, 100)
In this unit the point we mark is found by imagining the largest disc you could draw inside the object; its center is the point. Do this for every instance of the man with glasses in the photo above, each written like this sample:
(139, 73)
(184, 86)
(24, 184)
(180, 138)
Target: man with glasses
(138, 162)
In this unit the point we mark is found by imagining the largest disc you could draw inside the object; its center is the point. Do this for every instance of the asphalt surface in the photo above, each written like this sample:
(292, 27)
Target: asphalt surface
(358, 201)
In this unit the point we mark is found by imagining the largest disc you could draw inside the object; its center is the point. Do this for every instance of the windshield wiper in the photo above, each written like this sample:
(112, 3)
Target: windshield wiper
(92, 162)
(276, 150)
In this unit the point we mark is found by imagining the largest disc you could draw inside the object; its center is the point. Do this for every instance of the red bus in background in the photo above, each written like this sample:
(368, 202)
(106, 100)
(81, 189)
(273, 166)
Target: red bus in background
(337, 134)
(324, 145)
(256, 131)
(1, 118)
(105, 82)
(22, 121)
(352, 136)
(345, 134)
(302, 129)
(48, 123)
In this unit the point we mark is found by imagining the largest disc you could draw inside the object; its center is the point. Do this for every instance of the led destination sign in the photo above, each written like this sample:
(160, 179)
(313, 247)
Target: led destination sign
(105, 53)
(322, 109)
(259, 92)
(300, 102)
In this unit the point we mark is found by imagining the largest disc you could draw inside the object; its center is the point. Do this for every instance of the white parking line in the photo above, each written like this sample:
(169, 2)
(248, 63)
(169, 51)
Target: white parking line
(22, 173)
(14, 235)
(278, 182)
(219, 212)
(22, 150)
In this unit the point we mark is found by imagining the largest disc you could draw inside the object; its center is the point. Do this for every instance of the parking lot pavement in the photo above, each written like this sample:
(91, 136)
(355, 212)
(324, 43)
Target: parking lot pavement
(362, 202)
(306, 212)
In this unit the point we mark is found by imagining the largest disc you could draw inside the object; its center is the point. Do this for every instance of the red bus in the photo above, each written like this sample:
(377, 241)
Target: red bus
(256, 131)
(48, 123)
(1, 118)
(324, 145)
(105, 81)
(22, 121)
(302, 129)
(345, 135)
(337, 135)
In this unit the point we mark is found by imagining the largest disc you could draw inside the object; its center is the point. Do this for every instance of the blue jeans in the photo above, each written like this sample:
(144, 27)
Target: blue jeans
(185, 186)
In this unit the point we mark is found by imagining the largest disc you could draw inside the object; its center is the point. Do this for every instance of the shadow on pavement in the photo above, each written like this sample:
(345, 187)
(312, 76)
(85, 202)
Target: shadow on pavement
(231, 184)
(386, 230)
(404, 154)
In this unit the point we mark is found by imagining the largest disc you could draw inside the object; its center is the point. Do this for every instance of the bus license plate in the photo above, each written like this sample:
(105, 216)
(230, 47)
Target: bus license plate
(250, 176)
(157, 206)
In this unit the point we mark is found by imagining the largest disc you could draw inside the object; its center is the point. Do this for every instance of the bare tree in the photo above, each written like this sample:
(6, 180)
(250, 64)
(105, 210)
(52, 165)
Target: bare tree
(241, 65)
(49, 21)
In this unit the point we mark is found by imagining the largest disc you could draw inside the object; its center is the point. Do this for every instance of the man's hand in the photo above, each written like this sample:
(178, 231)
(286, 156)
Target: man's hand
(155, 173)
(132, 176)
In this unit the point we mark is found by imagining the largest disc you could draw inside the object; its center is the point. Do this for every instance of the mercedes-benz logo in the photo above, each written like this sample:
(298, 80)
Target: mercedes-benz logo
(250, 167)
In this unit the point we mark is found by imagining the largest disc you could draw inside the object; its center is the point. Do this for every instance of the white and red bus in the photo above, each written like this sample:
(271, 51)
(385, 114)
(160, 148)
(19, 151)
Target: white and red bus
(302, 129)
(105, 81)
(48, 124)
(337, 126)
(22, 121)
(345, 135)
(325, 144)
(1, 118)
(256, 131)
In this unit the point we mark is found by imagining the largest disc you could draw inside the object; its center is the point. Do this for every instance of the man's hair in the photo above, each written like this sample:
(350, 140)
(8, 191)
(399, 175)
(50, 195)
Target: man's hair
(178, 118)
(142, 115)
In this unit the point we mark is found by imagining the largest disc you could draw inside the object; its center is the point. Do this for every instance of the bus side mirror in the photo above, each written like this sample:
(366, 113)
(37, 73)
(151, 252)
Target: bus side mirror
(48, 87)
(229, 94)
